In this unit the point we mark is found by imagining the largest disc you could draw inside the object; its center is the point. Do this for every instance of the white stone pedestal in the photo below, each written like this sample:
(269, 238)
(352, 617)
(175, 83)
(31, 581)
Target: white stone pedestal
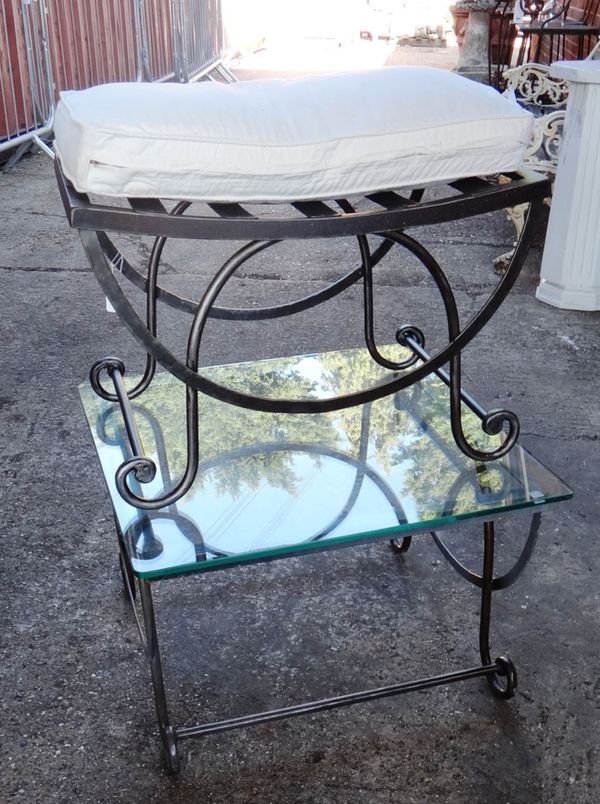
(570, 275)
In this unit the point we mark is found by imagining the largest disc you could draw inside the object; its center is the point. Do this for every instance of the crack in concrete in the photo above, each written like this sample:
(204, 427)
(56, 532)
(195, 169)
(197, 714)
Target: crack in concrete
(45, 269)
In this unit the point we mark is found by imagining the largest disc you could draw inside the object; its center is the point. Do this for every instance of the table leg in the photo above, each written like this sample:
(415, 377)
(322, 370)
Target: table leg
(167, 733)
(504, 682)
(125, 566)
(401, 545)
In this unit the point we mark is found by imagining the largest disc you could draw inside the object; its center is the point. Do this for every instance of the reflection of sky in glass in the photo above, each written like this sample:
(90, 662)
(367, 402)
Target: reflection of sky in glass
(273, 516)
(267, 517)
(285, 493)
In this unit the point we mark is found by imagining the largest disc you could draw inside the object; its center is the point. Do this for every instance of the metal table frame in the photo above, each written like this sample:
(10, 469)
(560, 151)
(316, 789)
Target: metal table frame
(388, 215)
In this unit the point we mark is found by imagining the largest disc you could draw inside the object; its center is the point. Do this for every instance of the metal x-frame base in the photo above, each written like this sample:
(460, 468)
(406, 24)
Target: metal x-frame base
(500, 673)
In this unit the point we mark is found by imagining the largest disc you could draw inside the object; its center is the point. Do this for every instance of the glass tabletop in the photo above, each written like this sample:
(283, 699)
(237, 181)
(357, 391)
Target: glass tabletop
(270, 485)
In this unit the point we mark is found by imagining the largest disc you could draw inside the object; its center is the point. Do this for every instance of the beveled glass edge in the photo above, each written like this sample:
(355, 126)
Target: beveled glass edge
(333, 542)
(338, 542)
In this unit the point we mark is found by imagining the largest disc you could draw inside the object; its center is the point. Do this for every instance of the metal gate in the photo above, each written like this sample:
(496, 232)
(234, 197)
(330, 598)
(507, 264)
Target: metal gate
(198, 37)
(52, 45)
(26, 87)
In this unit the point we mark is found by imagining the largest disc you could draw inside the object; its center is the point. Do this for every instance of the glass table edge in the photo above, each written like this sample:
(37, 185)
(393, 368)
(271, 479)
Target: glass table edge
(331, 543)
(334, 543)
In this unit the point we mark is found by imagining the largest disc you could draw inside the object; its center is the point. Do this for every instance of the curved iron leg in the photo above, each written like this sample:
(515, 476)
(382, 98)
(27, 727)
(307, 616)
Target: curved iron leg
(127, 578)
(503, 682)
(126, 573)
(400, 545)
(167, 733)
(500, 581)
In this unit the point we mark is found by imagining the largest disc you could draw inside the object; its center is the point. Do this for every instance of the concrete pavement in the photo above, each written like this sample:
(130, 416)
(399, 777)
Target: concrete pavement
(76, 718)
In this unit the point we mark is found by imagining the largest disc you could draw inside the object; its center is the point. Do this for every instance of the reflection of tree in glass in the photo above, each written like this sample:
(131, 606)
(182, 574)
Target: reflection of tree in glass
(435, 472)
(416, 428)
(410, 437)
(223, 428)
(390, 430)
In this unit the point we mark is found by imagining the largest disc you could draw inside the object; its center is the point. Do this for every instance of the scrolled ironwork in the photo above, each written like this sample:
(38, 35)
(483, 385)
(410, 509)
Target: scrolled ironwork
(144, 471)
(198, 382)
(142, 468)
(533, 85)
(416, 334)
(543, 150)
(430, 263)
(503, 682)
(492, 422)
(369, 316)
(101, 256)
(501, 581)
(107, 365)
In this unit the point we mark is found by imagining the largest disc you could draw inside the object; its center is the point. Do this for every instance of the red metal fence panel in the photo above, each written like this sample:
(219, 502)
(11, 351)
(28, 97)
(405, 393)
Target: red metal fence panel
(50, 45)
(26, 102)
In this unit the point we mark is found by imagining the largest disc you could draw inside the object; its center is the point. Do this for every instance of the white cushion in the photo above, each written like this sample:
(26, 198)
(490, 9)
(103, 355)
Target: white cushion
(280, 140)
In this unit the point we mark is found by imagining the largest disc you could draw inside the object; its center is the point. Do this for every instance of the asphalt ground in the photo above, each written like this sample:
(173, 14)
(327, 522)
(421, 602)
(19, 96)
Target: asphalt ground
(77, 721)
